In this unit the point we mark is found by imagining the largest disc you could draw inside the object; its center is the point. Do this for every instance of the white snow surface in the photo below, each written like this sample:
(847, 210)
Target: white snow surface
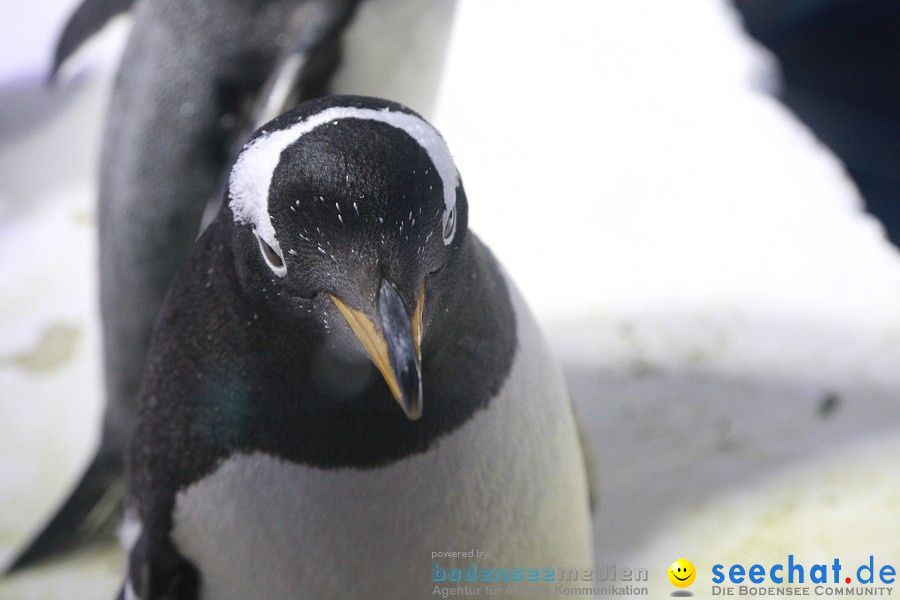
(726, 313)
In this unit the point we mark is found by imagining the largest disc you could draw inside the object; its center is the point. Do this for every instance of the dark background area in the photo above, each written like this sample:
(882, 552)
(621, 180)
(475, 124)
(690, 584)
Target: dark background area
(840, 63)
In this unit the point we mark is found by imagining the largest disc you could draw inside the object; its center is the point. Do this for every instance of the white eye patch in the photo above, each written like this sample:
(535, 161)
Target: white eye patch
(251, 176)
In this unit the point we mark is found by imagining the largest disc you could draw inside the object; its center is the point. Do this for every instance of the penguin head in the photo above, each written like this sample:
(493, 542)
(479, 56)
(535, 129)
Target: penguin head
(356, 200)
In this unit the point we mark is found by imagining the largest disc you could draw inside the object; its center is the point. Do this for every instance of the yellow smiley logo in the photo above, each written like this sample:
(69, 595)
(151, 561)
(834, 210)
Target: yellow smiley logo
(682, 573)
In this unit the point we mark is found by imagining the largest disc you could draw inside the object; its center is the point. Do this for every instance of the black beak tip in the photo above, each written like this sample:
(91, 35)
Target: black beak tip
(411, 384)
(412, 405)
(402, 350)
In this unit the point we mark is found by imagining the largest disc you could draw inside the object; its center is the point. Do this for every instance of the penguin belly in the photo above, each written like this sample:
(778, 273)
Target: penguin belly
(509, 482)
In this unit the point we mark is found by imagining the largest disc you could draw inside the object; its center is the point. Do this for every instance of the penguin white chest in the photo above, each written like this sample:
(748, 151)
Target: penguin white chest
(509, 482)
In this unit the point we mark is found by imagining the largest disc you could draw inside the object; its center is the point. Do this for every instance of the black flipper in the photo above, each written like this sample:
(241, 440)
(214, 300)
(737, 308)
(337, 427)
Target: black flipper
(88, 19)
(90, 514)
(156, 571)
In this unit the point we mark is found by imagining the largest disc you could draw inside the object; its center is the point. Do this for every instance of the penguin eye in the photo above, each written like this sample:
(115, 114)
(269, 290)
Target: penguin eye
(272, 256)
(449, 225)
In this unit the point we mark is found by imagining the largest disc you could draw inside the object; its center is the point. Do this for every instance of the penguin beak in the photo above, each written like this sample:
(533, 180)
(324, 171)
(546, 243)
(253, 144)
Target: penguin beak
(395, 347)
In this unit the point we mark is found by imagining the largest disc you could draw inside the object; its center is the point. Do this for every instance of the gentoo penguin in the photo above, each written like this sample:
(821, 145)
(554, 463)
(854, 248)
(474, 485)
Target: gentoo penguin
(195, 75)
(343, 381)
